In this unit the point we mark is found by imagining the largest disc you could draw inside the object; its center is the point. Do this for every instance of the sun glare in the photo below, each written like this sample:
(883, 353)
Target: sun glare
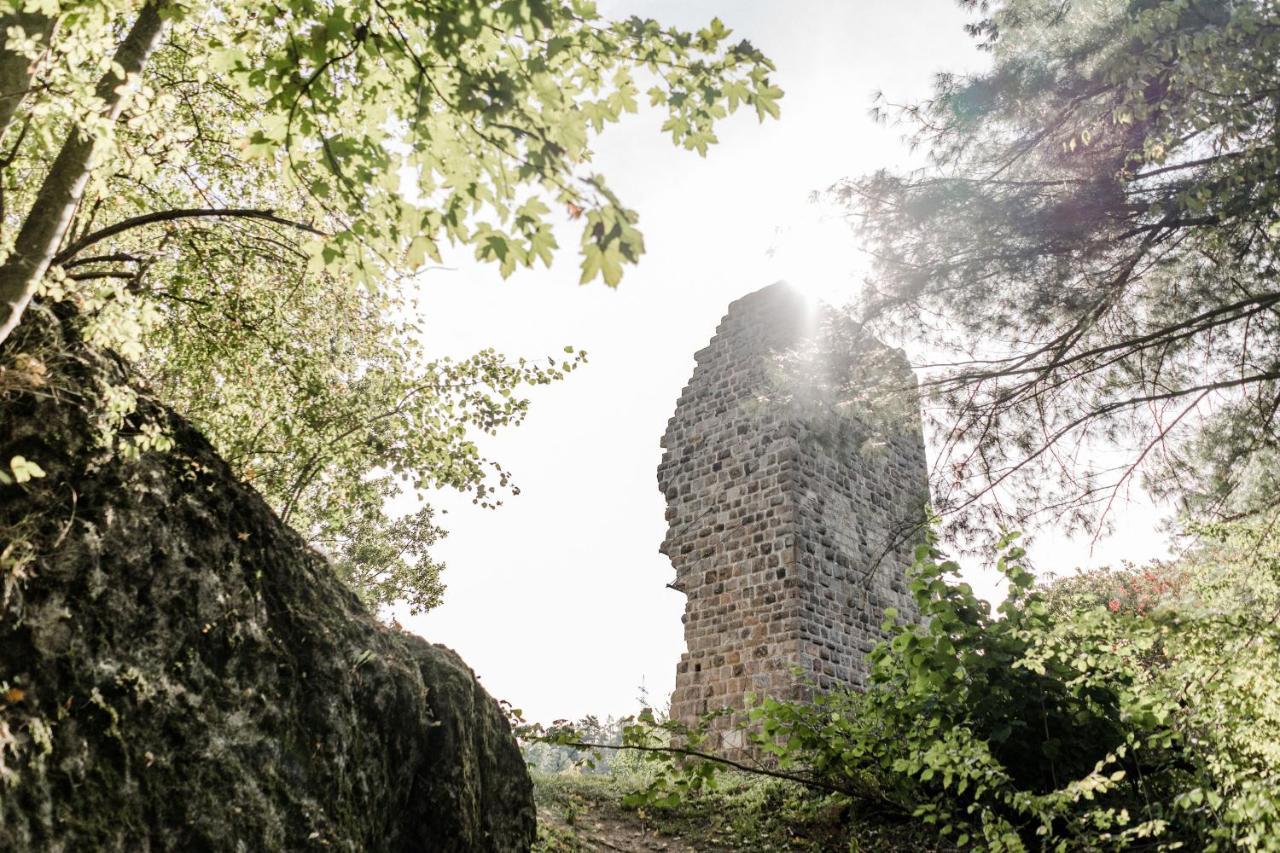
(815, 252)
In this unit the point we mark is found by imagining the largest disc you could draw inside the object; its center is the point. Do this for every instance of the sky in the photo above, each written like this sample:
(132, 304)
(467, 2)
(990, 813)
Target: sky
(558, 599)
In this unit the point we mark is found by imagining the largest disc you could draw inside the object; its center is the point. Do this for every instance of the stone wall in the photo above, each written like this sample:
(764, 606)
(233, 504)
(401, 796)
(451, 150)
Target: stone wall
(794, 499)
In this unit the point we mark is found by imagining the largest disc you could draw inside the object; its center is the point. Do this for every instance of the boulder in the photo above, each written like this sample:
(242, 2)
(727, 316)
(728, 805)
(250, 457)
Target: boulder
(180, 671)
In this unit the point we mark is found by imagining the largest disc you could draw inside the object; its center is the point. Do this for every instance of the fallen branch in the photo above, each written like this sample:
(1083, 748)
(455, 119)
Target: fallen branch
(816, 784)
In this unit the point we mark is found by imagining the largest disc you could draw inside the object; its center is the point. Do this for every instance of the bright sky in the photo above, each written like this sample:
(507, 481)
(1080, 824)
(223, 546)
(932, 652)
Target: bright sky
(558, 599)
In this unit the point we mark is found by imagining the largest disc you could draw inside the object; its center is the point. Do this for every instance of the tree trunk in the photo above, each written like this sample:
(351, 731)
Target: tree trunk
(15, 69)
(51, 213)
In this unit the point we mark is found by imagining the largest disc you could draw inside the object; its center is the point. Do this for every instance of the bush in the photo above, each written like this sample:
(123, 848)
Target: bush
(1061, 721)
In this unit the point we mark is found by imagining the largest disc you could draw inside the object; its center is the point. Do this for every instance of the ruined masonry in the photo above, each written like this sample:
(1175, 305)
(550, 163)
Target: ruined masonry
(792, 511)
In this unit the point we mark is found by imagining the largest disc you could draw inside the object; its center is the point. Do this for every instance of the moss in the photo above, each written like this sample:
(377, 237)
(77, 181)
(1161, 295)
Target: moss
(193, 677)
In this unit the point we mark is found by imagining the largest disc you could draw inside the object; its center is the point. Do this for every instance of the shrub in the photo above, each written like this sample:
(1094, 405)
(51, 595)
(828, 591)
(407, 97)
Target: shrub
(1058, 722)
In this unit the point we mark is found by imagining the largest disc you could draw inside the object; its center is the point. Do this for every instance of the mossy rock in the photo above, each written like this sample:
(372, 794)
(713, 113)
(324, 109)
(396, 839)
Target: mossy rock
(179, 671)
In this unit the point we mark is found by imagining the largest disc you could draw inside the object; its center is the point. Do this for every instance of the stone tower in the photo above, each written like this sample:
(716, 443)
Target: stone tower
(795, 497)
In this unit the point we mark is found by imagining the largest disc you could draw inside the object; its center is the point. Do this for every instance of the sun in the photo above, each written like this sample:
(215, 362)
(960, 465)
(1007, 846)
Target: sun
(816, 252)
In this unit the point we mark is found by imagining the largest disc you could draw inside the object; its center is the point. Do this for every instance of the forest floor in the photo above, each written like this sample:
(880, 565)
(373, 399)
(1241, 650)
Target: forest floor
(584, 812)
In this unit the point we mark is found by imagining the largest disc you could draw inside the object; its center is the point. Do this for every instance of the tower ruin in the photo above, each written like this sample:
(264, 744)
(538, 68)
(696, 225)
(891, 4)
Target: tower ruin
(795, 478)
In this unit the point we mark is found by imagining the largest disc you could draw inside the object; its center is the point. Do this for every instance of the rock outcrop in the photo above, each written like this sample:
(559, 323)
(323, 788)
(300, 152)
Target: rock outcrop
(179, 671)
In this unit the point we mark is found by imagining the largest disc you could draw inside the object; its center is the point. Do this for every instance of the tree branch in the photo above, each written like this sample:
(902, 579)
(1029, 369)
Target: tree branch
(169, 216)
(113, 258)
(86, 276)
(1175, 331)
(715, 759)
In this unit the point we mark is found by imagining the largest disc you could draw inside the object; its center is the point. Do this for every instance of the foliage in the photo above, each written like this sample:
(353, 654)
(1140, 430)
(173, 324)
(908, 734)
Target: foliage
(367, 416)
(1047, 725)
(743, 812)
(237, 196)
(1092, 255)
(545, 756)
(1136, 590)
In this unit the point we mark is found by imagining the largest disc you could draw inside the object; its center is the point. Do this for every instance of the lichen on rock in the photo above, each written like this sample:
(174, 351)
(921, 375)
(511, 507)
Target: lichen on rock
(179, 671)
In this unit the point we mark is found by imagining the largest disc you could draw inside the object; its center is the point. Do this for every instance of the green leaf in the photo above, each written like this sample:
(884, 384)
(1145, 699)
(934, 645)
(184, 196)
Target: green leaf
(24, 470)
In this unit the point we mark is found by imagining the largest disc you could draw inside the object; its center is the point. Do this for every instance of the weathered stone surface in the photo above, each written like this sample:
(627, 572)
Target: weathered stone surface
(788, 535)
(180, 672)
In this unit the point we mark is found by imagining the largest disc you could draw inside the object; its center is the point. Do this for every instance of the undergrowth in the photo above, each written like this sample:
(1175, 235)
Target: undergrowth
(582, 811)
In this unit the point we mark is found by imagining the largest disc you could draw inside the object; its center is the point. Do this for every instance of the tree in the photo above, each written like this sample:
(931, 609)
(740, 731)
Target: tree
(1093, 247)
(236, 196)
